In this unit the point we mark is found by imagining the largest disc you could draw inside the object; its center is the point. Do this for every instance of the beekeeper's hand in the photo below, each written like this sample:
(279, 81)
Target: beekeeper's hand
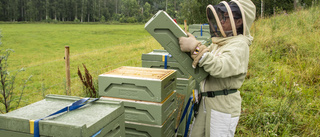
(197, 54)
(188, 44)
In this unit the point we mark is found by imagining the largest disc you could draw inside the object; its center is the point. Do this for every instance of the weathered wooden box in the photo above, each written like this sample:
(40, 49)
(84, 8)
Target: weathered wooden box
(146, 84)
(148, 112)
(104, 116)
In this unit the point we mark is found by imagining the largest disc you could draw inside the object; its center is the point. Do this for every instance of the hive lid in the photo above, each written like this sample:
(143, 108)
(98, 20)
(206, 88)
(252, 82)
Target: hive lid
(91, 117)
(167, 33)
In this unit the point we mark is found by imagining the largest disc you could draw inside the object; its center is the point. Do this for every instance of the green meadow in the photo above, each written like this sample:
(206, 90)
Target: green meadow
(280, 94)
(40, 50)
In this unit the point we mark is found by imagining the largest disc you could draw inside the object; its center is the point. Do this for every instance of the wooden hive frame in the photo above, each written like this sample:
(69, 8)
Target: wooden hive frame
(140, 72)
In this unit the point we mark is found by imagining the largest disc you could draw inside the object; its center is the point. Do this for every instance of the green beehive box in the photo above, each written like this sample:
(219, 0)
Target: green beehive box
(148, 112)
(185, 87)
(205, 27)
(158, 55)
(107, 117)
(203, 35)
(200, 30)
(134, 129)
(146, 84)
(113, 129)
(6, 133)
(181, 72)
(166, 32)
(155, 59)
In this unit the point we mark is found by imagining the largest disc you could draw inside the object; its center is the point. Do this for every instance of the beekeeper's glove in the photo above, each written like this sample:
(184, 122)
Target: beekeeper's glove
(188, 44)
(197, 54)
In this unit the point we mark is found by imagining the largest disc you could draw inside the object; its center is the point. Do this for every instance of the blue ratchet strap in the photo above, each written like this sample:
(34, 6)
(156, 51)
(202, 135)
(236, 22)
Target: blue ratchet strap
(71, 107)
(165, 61)
(94, 135)
(201, 29)
(184, 113)
(188, 122)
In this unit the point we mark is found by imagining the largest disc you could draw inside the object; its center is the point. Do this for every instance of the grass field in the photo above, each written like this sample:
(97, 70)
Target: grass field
(280, 95)
(40, 49)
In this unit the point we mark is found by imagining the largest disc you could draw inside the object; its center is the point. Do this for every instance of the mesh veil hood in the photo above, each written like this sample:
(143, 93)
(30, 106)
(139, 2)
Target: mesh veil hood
(248, 13)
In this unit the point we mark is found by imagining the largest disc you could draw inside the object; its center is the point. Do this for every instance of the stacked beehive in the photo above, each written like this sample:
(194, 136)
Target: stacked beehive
(185, 82)
(201, 32)
(100, 118)
(149, 99)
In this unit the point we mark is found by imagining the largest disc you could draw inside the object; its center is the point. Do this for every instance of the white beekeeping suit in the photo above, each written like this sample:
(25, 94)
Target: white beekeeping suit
(226, 60)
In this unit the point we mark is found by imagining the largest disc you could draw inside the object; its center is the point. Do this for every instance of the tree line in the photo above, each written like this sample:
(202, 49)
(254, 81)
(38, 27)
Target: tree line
(83, 10)
(194, 10)
(126, 11)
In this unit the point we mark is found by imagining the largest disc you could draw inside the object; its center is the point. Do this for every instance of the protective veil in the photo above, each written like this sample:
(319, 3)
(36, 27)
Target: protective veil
(225, 13)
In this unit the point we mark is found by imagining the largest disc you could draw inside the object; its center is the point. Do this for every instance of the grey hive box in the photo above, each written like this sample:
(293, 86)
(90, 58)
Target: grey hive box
(107, 116)
(146, 84)
(148, 112)
(167, 32)
(134, 129)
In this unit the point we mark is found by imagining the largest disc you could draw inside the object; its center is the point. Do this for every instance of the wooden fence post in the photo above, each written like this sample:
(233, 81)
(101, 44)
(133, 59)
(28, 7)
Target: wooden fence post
(185, 26)
(67, 69)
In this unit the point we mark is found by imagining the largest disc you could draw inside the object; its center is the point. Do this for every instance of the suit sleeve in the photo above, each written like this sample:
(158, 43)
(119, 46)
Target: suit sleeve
(232, 60)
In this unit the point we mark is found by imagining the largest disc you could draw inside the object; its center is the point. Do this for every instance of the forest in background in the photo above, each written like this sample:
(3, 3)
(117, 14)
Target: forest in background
(126, 11)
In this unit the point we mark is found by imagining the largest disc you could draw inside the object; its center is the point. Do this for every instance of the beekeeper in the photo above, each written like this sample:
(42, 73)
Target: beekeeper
(226, 60)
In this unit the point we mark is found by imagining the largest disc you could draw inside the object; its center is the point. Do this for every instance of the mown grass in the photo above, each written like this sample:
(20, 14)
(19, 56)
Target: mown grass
(40, 49)
(280, 94)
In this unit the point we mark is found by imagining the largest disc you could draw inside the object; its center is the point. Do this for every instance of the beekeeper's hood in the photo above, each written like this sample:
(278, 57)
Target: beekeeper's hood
(232, 18)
